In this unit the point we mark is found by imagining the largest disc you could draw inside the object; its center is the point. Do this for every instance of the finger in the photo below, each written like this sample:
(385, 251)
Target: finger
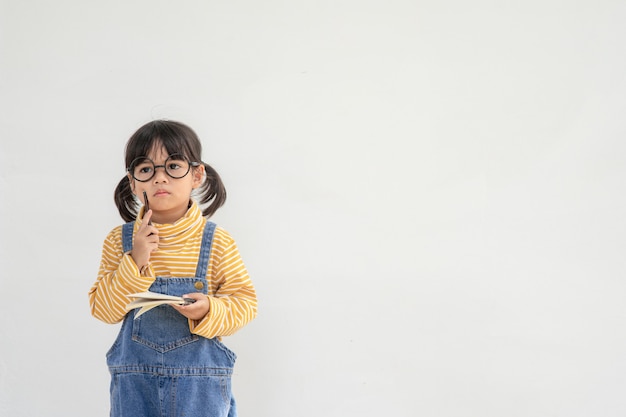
(146, 218)
(148, 231)
(195, 295)
(152, 231)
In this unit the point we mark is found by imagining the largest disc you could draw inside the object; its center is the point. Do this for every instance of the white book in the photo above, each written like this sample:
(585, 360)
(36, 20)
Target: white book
(148, 300)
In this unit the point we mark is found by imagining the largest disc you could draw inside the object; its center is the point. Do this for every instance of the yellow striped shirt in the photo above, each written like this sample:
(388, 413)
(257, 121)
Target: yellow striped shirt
(232, 296)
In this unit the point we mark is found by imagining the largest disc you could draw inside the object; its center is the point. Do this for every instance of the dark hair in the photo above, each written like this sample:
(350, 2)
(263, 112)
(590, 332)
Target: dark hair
(177, 138)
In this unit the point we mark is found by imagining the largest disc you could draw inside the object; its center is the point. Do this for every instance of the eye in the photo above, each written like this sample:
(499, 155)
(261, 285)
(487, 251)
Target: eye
(174, 165)
(144, 168)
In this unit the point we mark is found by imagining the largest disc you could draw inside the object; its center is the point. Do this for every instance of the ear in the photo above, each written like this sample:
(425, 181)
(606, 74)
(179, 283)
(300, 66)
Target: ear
(198, 176)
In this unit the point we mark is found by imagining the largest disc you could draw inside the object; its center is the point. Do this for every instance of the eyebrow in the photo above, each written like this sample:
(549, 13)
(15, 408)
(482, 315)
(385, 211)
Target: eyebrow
(179, 157)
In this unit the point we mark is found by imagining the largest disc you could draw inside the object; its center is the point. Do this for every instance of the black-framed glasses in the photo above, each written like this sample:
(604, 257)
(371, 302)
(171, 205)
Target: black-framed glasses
(176, 166)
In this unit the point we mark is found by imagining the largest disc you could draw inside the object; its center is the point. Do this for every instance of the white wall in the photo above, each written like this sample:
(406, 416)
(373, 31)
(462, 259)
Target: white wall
(429, 196)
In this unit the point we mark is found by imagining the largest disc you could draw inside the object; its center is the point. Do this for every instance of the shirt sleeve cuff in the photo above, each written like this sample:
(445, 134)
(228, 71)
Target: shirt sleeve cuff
(130, 273)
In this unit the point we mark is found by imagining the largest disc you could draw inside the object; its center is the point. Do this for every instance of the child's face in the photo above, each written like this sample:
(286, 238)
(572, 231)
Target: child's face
(168, 197)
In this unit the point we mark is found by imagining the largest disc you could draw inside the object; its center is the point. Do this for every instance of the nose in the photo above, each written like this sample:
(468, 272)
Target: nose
(160, 176)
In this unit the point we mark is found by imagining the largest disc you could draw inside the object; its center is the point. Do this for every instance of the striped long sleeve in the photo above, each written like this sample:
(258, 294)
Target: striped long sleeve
(233, 303)
(117, 277)
(231, 295)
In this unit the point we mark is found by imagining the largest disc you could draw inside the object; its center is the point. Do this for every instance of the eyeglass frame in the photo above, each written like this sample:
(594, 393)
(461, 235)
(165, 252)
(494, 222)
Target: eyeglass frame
(155, 166)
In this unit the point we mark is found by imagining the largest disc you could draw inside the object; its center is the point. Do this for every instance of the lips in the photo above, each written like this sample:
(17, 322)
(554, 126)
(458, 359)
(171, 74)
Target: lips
(160, 193)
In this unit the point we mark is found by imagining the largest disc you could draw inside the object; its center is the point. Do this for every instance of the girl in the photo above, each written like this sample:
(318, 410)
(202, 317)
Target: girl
(170, 361)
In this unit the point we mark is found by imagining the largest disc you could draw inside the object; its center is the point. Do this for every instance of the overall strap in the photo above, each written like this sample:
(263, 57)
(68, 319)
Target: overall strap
(205, 249)
(127, 236)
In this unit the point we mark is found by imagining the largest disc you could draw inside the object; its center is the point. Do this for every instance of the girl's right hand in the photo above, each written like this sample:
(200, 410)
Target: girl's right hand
(145, 242)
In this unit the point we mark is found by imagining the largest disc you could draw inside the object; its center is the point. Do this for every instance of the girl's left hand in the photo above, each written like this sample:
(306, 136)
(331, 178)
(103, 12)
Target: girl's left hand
(197, 310)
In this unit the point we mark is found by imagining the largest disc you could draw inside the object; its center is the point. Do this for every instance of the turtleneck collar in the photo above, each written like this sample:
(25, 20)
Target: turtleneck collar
(182, 229)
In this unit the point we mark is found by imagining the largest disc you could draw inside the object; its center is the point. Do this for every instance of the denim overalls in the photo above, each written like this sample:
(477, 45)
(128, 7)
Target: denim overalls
(158, 367)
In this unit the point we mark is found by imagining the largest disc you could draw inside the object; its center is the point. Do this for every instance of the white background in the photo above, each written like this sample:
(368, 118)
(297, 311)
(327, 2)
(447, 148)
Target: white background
(429, 196)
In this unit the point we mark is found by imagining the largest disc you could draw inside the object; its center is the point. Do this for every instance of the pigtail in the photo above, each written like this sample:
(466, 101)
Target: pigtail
(125, 200)
(212, 190)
